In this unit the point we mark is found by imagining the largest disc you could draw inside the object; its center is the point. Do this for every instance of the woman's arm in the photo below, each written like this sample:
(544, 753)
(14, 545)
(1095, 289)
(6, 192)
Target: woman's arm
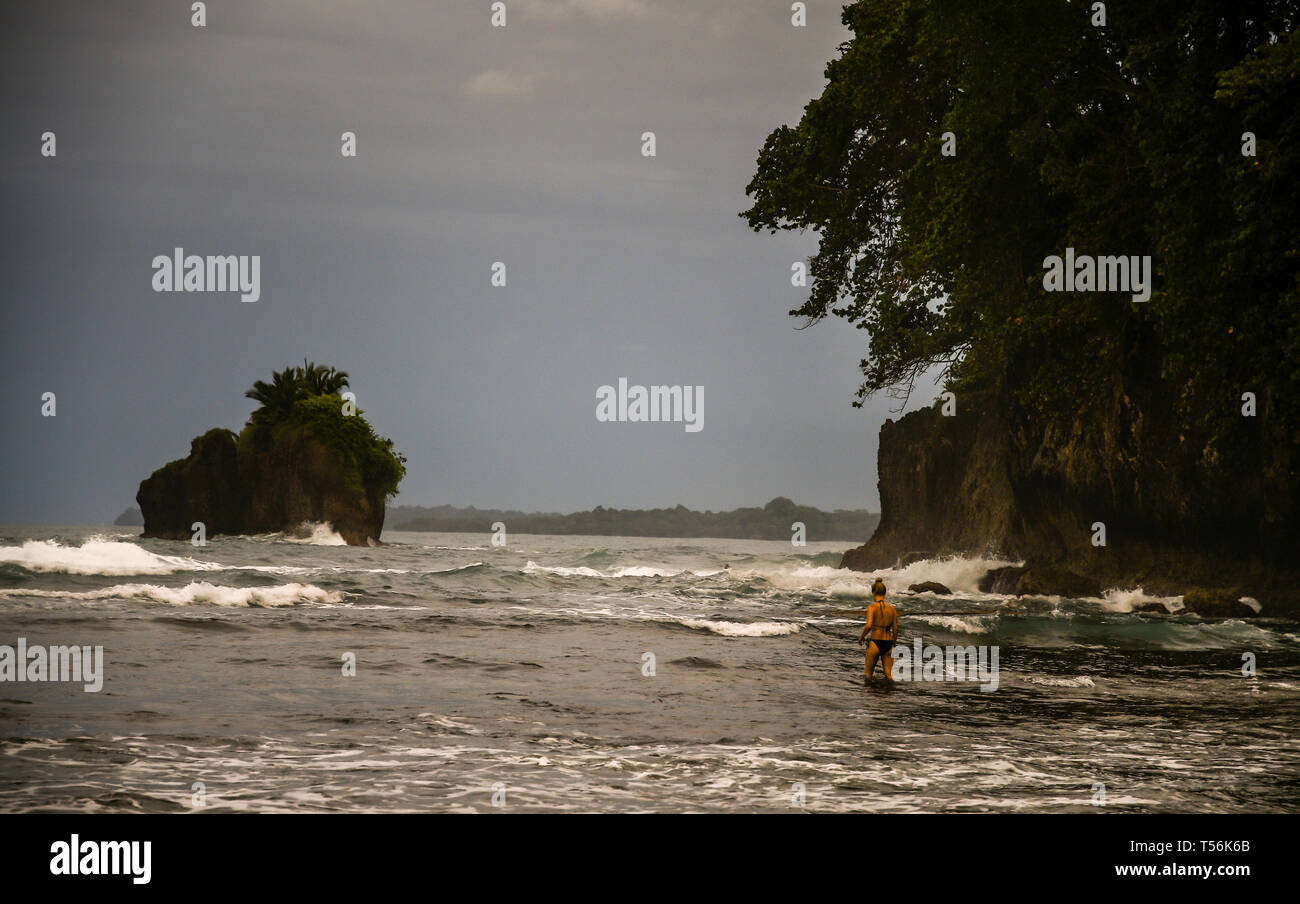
(865, 628)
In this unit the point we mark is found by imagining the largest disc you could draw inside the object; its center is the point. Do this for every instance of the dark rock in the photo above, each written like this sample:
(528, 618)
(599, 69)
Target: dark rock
(943, 488)
(244, 488)
(930, 587)
(1154, 608)
(911, 558)
(1218, 603)
(1023, 484)
(1048, 580)
(202, 487)
(1001, 580)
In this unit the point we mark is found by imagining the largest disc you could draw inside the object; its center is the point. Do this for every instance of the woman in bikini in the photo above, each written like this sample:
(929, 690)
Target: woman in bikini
(882, 623)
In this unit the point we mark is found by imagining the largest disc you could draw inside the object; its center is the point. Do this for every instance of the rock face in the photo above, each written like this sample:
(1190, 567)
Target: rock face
(1001, 580)
(1049, 580)
(1043, 580)
(1218, 603)
(943, 487)
(1151, 609)
(929, 587)
(979, 483)
(240, 488)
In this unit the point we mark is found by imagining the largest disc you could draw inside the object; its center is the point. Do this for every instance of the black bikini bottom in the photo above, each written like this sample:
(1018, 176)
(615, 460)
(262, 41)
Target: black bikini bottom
(884, 646)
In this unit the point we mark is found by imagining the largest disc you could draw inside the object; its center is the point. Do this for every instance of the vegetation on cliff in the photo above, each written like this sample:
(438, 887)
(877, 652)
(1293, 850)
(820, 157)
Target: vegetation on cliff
(1117, 139)
(306, 454)
(307, 400)
(957, 146)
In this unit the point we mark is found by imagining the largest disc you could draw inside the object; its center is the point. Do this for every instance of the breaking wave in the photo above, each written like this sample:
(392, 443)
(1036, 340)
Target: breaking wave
(740, 629)
(1117, 600)
(96, 557)
(630, 571)
(958, 624)
(196, 593)
(322, 534)
(959, 574)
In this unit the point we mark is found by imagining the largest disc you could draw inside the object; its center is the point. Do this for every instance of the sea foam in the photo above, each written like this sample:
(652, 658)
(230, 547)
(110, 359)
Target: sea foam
(196, 593)
(628, 571)
(960, 574)
(322, 534)
(97, 557)
(1120, 600)
(740, 629)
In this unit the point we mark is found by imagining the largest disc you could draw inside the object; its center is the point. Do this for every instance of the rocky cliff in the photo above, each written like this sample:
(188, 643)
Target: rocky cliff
(252, 484)
(982, 482)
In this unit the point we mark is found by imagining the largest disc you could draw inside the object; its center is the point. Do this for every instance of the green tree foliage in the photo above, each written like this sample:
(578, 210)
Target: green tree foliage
(322, 380)
(308, 399)
(380, 469)
(1122, 139)
(288, 386)
(277, 397)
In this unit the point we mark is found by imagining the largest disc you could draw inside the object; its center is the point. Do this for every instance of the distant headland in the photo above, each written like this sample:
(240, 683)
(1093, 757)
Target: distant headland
(131, 517)
(774, 521)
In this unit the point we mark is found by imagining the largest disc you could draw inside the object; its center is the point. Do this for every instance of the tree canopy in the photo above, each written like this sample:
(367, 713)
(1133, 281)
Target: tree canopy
(1123, 138)
(292, 384)
(307, 397)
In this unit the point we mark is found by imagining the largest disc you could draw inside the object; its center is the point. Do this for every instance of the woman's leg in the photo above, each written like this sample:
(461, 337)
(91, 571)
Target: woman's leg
(872, 654)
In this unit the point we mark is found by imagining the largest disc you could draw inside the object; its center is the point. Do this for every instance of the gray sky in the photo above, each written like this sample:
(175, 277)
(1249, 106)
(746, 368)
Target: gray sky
(475, 144)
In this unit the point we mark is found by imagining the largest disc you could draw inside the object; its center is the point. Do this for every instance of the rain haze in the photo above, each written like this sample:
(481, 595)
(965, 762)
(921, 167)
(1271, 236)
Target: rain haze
(474, 145)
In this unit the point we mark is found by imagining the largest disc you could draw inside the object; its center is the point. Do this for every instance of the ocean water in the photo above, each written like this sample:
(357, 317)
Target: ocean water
(603, 674)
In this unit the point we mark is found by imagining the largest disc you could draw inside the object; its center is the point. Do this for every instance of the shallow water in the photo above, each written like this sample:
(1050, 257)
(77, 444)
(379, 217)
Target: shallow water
(519, 677)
